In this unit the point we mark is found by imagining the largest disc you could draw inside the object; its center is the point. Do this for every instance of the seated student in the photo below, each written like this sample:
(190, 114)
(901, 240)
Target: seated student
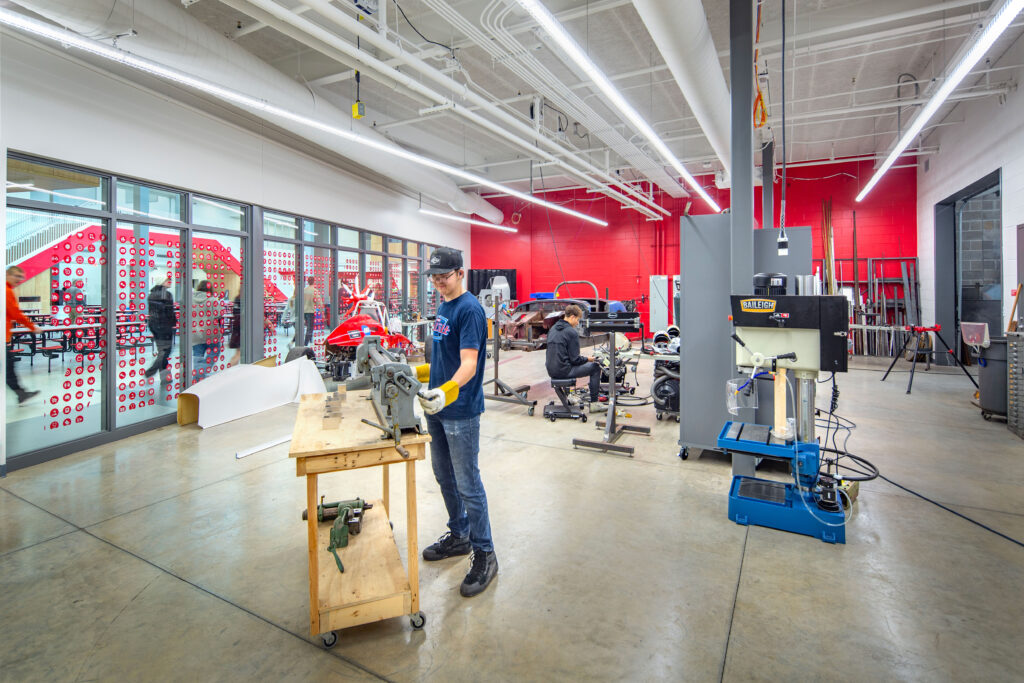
(564, 360)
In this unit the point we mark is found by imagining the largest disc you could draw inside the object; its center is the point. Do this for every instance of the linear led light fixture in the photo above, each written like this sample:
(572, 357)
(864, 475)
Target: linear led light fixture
(32, 188)
(84, 222)
(71, 39)
(453, 217)
(1002, 18)
(219, 205)
(572, 48)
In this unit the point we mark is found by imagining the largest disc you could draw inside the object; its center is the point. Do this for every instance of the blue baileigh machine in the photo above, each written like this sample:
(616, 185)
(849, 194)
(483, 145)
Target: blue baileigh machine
(798, 336)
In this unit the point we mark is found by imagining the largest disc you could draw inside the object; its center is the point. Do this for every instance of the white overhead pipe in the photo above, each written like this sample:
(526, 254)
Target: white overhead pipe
(507, 50)
(681, 33)
(513, 126)
(999, 17)
(165, 33)
(590, 9)
(857, 27)
(316, 36)
(854, 42)
(320, 35)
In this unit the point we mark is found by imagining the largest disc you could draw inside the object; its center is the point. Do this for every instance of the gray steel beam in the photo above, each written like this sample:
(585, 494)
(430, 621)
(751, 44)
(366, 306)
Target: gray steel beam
(741, 196)
(767, 184)
(253, 307)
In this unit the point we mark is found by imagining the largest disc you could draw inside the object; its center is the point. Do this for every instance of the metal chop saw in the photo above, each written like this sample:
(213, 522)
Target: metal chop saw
(777, 335)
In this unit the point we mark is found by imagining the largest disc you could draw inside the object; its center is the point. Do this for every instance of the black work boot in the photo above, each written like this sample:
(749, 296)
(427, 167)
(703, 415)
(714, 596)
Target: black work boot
(447, 546)
(25, 395)
(483, 568)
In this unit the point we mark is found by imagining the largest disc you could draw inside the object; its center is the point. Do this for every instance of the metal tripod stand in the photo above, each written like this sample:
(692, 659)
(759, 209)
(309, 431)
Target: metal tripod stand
(502, 390)
(612, 432)
(917, 329)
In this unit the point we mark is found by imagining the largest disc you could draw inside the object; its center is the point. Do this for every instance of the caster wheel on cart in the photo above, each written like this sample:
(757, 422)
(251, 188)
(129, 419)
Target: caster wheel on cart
(529, 411)
(684, 452)
(583, 418)
(552, 419)
(657, 416)
(417, 620)
(987, 415)
(677, 419)
(632, 390)
(329, 639)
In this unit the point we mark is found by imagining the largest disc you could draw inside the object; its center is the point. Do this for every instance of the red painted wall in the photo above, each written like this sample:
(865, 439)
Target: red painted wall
(886, 219)
(551, 246)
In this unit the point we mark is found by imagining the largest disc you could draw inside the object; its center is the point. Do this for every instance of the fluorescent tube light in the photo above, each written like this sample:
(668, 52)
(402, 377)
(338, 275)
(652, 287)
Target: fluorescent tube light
(1000, 20)
(461, 219)
(71, 39)
(219, 205)
(557, 32)
(32, 188)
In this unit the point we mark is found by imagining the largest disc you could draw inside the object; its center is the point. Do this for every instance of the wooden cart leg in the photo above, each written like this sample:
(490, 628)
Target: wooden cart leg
(387, 491)
(314, 570)
(410, 511)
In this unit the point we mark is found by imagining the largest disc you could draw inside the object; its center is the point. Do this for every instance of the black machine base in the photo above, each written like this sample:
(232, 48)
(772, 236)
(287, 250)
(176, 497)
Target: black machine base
(553, 411)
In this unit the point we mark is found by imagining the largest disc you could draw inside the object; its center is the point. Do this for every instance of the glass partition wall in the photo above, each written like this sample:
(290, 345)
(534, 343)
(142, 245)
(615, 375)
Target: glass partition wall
(316, 298)
(139, 291)
(57, 374)
(280, 308)
(149, 287)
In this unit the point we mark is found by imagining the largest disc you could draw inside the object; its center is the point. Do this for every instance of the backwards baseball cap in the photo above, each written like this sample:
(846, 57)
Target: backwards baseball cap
(444, 260)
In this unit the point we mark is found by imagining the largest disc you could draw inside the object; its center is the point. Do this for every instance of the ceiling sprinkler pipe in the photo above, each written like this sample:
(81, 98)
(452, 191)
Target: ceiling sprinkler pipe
(169, 35)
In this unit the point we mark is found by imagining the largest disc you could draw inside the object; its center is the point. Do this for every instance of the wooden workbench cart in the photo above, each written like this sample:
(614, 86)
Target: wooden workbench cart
(374, 585)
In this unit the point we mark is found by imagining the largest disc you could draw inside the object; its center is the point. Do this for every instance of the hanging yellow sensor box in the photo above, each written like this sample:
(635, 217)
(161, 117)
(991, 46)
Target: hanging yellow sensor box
(358, 110)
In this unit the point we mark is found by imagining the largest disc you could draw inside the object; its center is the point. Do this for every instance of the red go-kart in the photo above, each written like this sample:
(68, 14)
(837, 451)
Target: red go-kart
(364, 317)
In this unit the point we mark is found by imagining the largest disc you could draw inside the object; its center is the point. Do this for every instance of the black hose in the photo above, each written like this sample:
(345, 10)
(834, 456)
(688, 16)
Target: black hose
(654, 390)
(665, 371)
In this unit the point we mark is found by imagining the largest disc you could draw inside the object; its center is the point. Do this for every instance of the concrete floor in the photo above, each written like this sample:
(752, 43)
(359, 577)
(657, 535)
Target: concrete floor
(162, 557)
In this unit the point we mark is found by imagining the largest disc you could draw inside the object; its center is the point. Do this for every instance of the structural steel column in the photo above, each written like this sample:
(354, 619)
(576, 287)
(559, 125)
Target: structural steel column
(741, 233)
(767, 185)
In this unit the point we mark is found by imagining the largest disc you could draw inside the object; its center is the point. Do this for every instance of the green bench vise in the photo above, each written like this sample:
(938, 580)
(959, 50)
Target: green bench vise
(348, 519)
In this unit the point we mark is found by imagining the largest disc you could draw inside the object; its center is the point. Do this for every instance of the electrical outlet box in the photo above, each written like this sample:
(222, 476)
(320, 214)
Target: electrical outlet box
(358, 110)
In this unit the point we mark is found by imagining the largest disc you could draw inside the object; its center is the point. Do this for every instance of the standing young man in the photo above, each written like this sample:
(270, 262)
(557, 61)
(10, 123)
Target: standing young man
(311, 303)
(453, 405)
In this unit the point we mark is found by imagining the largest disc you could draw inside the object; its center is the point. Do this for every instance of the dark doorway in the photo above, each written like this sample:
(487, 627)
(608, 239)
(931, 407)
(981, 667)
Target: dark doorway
(980, 259)
(969, 259)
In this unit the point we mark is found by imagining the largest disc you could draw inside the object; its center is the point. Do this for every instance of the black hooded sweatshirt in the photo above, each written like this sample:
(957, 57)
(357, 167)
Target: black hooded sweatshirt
(563, 350)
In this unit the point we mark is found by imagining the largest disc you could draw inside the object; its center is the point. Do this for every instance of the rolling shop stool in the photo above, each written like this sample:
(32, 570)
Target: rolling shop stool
(553, 412)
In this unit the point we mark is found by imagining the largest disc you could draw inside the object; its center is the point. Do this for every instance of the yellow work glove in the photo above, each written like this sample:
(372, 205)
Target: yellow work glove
(423, 372)
(434, 400)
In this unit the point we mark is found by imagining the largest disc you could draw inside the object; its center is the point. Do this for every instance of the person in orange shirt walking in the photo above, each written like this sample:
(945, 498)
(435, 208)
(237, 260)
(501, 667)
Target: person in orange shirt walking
(15, 276)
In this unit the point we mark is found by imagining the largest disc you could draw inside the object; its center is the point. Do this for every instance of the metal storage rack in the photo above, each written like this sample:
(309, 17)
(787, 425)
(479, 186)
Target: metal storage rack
(1015, 382)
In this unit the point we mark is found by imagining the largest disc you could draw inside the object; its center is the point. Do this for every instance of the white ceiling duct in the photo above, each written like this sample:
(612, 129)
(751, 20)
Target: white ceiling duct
(166, 34)
(681, 33)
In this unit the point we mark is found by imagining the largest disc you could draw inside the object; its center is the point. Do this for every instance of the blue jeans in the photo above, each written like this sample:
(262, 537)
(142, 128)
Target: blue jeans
(203, 357)
(454, 455)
